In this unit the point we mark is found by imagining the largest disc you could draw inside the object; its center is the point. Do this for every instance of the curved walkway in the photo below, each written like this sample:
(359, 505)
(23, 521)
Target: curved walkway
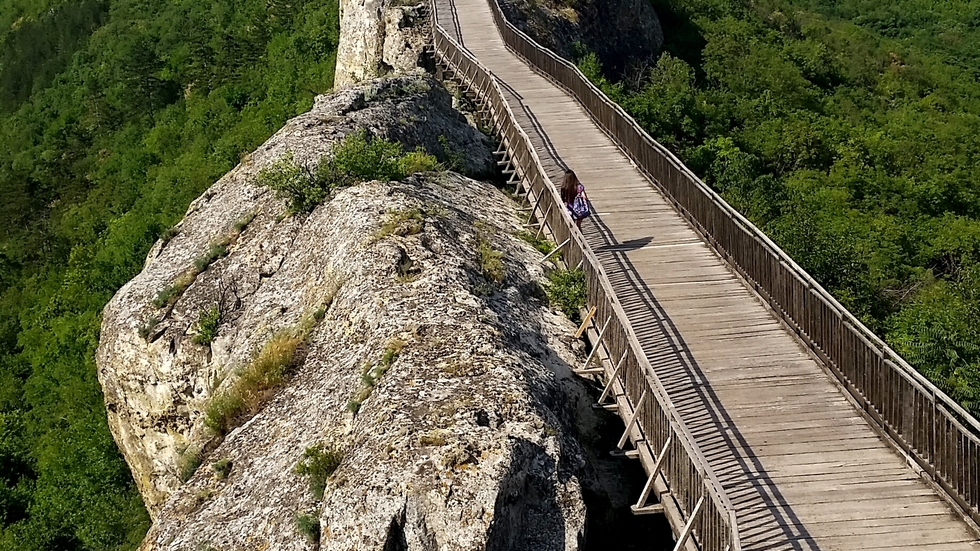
(799, 462)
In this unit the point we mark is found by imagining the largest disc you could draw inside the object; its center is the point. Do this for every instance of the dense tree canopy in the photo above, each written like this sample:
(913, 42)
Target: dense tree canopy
(115, 115)
(849, 131)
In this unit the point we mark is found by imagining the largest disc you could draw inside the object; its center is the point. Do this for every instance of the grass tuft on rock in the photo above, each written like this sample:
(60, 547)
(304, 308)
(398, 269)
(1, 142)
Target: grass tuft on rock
(221, 468)
(566, 290)
(402, 222)
(267, 372)
(373, 374)
(146, 329)
(309, 526)
(169, 295)
(317, 464)
(187, 463)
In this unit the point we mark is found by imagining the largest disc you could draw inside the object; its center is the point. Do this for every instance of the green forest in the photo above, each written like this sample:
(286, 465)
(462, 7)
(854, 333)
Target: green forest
(848, 131)
(115, 115)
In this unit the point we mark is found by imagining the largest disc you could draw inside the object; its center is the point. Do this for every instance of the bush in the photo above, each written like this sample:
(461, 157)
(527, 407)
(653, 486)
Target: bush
(454, 158)
(357, 158)
(418, 161)
(207, 325)
(309, 526)
(566, 290)
(296, 183)
(541, 244)
(318, 464)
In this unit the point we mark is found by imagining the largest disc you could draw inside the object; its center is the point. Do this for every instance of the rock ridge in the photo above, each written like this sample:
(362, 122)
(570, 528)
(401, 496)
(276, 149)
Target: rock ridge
(438, 378)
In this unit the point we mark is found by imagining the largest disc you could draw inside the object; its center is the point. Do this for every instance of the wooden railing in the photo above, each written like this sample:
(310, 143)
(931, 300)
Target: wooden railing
(938, 434)
(664, 440)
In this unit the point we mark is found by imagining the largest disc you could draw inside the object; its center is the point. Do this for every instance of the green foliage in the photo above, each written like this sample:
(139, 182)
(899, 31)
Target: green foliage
(215, 251)
(490, 259)
(356, 158)
(293, 182)
(170, 294)
(418, 161)
(266, 372)
(147, 328)
(188, 462)
(542, 245)
(454, 158)
(847, 131)
(318, 464)
(116, 114)
(373, 374)
(401, 223)
(309, 526)
(221, 468)
(359, 159)
(207, 325)
(566, 290)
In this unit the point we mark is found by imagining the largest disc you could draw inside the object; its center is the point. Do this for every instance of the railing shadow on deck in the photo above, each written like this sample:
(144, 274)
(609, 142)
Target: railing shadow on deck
(719, 435)
(694, 489)
(921, 420)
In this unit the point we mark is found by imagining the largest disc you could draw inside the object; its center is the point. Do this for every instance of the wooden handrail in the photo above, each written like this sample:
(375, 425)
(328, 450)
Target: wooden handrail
(686, 471)
(939, 434)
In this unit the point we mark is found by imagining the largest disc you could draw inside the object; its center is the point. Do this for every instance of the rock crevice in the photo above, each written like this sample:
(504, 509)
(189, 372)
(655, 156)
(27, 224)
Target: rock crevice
(437, 385)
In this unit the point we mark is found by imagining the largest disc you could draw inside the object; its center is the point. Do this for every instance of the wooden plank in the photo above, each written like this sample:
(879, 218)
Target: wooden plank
(777, 431)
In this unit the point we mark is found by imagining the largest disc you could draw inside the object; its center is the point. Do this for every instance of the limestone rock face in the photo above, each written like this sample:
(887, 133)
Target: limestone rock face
(379, 37)
(438, 376)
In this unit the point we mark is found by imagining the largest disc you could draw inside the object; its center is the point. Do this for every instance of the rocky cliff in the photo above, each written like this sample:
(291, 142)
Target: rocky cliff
(425, 398)
(624, 34)
(380, 37)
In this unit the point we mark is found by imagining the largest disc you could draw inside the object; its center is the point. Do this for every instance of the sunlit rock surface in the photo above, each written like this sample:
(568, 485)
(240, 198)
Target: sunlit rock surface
(379, 37)
(463, 443)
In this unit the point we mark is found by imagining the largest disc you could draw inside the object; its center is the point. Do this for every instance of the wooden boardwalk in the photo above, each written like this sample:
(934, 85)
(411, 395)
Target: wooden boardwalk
(801, 465)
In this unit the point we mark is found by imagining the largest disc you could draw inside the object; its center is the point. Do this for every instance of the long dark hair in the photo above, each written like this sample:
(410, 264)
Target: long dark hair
(569, 187)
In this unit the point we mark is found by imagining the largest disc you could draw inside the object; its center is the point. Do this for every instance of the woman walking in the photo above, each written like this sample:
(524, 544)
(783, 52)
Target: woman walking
(575, 199)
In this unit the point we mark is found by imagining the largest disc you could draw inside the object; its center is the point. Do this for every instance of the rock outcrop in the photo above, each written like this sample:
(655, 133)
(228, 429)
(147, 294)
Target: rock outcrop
(378, 38)
(431, 367)
(624, 34)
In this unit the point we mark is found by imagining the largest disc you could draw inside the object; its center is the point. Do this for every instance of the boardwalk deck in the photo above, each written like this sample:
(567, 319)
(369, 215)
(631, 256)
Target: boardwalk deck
(801, 465)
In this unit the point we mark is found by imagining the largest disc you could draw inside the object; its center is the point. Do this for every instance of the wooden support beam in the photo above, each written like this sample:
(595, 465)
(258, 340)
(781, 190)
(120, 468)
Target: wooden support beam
(585, 323)
(689, 527)
(612, 379)
(625, 454)
(534, 209)
(544, 221)
(591, 371)
(629, 424)
(653, 509)
(552, 253)
(595, 347)
(641, 503)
